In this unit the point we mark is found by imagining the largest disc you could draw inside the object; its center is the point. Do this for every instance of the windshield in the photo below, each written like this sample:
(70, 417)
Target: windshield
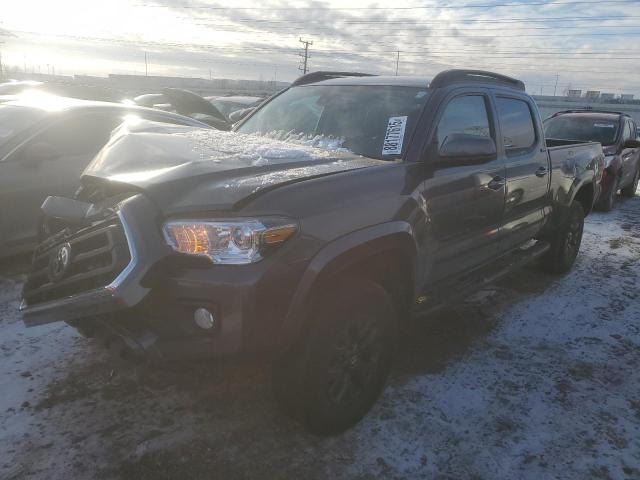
(588, 129)
(368, 120)
(14, 119)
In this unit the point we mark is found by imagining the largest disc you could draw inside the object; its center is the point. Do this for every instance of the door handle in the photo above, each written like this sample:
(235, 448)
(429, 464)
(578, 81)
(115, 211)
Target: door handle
(496, 183)
(542, 171)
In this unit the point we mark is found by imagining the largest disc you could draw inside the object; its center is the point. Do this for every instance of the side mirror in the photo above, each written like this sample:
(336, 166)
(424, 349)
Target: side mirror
(465, 148)
(38, 152)
(632, 144)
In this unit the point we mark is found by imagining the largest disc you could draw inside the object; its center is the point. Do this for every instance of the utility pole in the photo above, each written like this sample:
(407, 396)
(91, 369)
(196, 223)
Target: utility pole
(146, 67)
(305, 55)
(397, 62)
(1, 68)
(556, 87)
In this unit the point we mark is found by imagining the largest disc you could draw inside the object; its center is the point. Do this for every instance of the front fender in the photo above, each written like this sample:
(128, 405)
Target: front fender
(337, 256)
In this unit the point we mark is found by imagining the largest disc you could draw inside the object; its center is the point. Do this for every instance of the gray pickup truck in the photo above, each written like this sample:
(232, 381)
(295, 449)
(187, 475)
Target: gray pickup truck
(340, 208)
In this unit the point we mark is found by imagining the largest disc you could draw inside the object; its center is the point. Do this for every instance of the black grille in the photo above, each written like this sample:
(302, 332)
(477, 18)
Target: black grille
(99, 253)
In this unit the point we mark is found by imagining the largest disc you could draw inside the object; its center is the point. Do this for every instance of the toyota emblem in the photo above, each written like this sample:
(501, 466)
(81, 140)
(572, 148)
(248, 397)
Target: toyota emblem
(59, 263)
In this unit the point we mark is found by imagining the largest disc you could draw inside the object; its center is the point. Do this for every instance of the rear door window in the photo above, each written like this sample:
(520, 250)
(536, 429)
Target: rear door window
(516, 123)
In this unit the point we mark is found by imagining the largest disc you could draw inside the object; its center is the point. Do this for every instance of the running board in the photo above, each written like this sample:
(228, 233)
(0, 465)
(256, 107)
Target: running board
(470, 283)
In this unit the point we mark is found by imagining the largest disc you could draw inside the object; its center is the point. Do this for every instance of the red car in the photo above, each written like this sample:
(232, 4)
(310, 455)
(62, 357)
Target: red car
(617, 132)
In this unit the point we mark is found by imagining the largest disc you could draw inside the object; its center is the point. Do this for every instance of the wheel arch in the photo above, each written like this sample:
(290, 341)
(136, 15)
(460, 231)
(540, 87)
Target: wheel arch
(585, 195)
(384, 252)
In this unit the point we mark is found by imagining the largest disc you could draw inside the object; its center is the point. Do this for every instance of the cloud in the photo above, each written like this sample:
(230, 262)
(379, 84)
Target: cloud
(534, 42)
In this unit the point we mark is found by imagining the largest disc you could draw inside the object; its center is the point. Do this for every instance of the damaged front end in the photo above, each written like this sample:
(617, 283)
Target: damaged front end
(93, 264)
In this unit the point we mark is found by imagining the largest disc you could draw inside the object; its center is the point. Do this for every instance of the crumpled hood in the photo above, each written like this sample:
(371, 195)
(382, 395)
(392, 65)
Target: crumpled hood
(194, 169)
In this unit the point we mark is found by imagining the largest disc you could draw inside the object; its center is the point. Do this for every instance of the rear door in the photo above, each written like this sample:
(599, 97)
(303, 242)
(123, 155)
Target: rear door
(463, 202)
(72, 140)
(524, 153)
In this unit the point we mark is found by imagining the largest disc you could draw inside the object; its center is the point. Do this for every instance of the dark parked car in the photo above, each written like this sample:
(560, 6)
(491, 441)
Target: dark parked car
(230, 104)
(185, 103)
(390, 197)
(617, 133)
(45, 144)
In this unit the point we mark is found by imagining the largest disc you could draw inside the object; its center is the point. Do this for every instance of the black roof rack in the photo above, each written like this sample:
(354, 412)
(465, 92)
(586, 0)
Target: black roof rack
(454, 76)
(590, 110)
(319, 76)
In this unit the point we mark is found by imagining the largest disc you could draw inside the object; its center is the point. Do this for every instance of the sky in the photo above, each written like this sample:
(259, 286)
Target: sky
(578, 44)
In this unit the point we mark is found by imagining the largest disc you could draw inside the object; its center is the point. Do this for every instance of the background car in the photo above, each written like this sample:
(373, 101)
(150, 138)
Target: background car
(45, 144)
(617, 132)
(185, 103)
(231, 104)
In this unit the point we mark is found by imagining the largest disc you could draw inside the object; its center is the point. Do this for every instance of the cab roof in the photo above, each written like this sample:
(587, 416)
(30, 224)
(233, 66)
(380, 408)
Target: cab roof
(442, 79)
(378, 81)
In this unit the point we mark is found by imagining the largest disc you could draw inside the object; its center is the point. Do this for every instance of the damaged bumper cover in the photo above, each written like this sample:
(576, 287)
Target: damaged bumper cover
(126, 289)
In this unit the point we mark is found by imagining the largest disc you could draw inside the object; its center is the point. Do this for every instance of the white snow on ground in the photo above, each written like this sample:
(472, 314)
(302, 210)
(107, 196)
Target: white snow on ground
(536, 378)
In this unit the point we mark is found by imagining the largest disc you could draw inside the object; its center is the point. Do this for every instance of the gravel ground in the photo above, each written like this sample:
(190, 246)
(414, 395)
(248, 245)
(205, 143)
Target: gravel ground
(537, 377)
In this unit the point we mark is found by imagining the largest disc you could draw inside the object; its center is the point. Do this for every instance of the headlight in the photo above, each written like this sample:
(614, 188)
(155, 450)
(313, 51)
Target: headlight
(608, 159)
(230, 242)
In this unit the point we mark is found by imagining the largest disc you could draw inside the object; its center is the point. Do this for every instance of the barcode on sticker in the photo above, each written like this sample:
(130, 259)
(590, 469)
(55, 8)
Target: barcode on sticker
(395, 135)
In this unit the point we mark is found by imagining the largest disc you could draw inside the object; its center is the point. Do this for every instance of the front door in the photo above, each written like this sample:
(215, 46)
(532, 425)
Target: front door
(464, 201)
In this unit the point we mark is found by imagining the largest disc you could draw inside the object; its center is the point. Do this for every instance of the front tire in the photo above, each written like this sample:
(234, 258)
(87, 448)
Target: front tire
(565, 242)
(607, 204)
(630, 190)
(331, 380)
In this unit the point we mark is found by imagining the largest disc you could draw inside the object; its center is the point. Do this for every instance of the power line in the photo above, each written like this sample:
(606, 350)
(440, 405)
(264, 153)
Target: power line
(290, 50)
(412, 21)
(415, 7)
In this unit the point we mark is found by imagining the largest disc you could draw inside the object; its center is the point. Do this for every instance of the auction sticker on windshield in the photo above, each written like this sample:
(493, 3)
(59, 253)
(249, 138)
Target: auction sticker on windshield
(394, 137)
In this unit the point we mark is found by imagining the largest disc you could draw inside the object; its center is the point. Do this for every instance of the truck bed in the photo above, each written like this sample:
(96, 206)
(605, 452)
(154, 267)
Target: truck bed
(571, 159)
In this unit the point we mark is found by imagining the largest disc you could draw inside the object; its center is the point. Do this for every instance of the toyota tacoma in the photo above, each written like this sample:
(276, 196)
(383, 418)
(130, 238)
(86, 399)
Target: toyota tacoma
(337, 210)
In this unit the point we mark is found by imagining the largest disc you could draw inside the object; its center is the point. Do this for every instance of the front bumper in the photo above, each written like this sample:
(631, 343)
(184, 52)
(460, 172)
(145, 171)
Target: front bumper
(149, 308)
(126, 289)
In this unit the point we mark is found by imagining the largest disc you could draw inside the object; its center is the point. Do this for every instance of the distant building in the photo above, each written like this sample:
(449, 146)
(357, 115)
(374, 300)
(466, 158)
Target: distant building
(607, 96)
(592, 94)
(625, 97)
(574, 93)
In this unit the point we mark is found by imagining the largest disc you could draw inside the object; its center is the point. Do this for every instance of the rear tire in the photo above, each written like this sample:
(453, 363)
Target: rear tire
(630, 190)
(565, 242)
(333, 377)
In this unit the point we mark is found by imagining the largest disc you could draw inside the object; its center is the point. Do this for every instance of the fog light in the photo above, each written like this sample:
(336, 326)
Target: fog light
(204, 319)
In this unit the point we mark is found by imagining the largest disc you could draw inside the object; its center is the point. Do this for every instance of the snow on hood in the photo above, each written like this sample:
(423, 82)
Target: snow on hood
(259, 149)
(187, 168)
(145, 147)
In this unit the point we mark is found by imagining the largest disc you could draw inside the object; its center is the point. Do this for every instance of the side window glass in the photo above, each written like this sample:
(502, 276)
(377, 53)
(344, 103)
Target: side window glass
(464, 115)
(516, 124)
